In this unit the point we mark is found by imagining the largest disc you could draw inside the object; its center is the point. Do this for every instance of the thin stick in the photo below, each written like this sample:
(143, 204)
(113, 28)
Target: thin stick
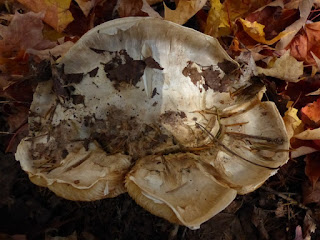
(273, 140)
(6, 133)
(216, 141)
(289, 199)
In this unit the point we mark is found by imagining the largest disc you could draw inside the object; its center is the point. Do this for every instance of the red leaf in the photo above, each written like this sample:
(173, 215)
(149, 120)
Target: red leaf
(307, 41)
(311, 114)
(131, 8)
(23, 32)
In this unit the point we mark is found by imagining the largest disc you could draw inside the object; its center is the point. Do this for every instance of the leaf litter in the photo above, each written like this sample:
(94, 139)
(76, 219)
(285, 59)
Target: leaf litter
(283, 37)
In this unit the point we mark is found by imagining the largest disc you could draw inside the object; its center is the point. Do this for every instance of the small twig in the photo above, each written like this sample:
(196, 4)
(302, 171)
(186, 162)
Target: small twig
(6, 133)
(12, 101)
(289, 199)
(216, 141)
(243, 135)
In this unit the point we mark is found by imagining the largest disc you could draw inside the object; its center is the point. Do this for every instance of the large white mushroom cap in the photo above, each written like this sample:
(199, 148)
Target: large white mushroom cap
(162, 100)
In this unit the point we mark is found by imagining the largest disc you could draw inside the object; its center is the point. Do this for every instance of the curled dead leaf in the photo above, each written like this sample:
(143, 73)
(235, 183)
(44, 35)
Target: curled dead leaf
(305, 45)
(222, 16)
(286, 68)
(86, 5)
(256, 31)
(24, 32)
(311, 113)
(184, 10)
(291, 120)
(56, 13)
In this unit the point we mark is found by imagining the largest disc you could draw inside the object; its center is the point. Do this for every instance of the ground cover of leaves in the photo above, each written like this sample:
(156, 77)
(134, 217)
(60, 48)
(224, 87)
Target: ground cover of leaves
(285, 207)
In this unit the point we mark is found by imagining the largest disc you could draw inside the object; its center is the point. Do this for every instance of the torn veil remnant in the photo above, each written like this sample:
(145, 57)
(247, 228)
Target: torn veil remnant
(123, 112)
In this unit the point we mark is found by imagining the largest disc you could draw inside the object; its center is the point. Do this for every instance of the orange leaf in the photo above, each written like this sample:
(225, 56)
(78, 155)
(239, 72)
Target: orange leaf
(311, 113)
(56, 12)
(307, 41)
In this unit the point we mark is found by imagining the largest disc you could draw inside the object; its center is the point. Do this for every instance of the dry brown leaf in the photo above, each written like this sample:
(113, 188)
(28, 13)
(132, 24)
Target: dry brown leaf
(256, 31)
(317, 92)
(57, 51)
(286, 68)
(184, 11)
(312, 169)
(127, 8)
(304, 8)
(221, 18)
(301, 151)
(86, 5)
(291, 120)
(24, 32)
(311, 194)
(306, 45)
(311, 113)
(56, 12)
(310, 134)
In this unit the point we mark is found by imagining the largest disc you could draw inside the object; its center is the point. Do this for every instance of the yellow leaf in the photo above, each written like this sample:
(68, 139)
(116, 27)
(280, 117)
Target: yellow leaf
(184, 11)
(222, 17)
(56, 12)
(291, 120)
(256, 32)
(286, 68)
(217, 22)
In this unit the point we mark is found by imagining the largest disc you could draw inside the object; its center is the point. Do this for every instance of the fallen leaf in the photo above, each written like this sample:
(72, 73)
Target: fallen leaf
(286, 68)
(306, 44)
(104, 11)
(57, 51)
(309, 225)
(312, 169)
(149, 10)
(218, 23)
(258, 219)
(184, 10)
(311, 194)
(86, 5)
(291, 120)
(222, 16)
(301, 151)
(304, 9)
(127, 8)
(265, 25)
(24, 32)
(17, 116)
(56, 12)
(310, 114)
(151, 2)
(310, 134)
(314, 93)
(256, 32)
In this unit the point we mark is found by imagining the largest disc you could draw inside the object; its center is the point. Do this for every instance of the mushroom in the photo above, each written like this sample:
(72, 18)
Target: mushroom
(156, 109)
